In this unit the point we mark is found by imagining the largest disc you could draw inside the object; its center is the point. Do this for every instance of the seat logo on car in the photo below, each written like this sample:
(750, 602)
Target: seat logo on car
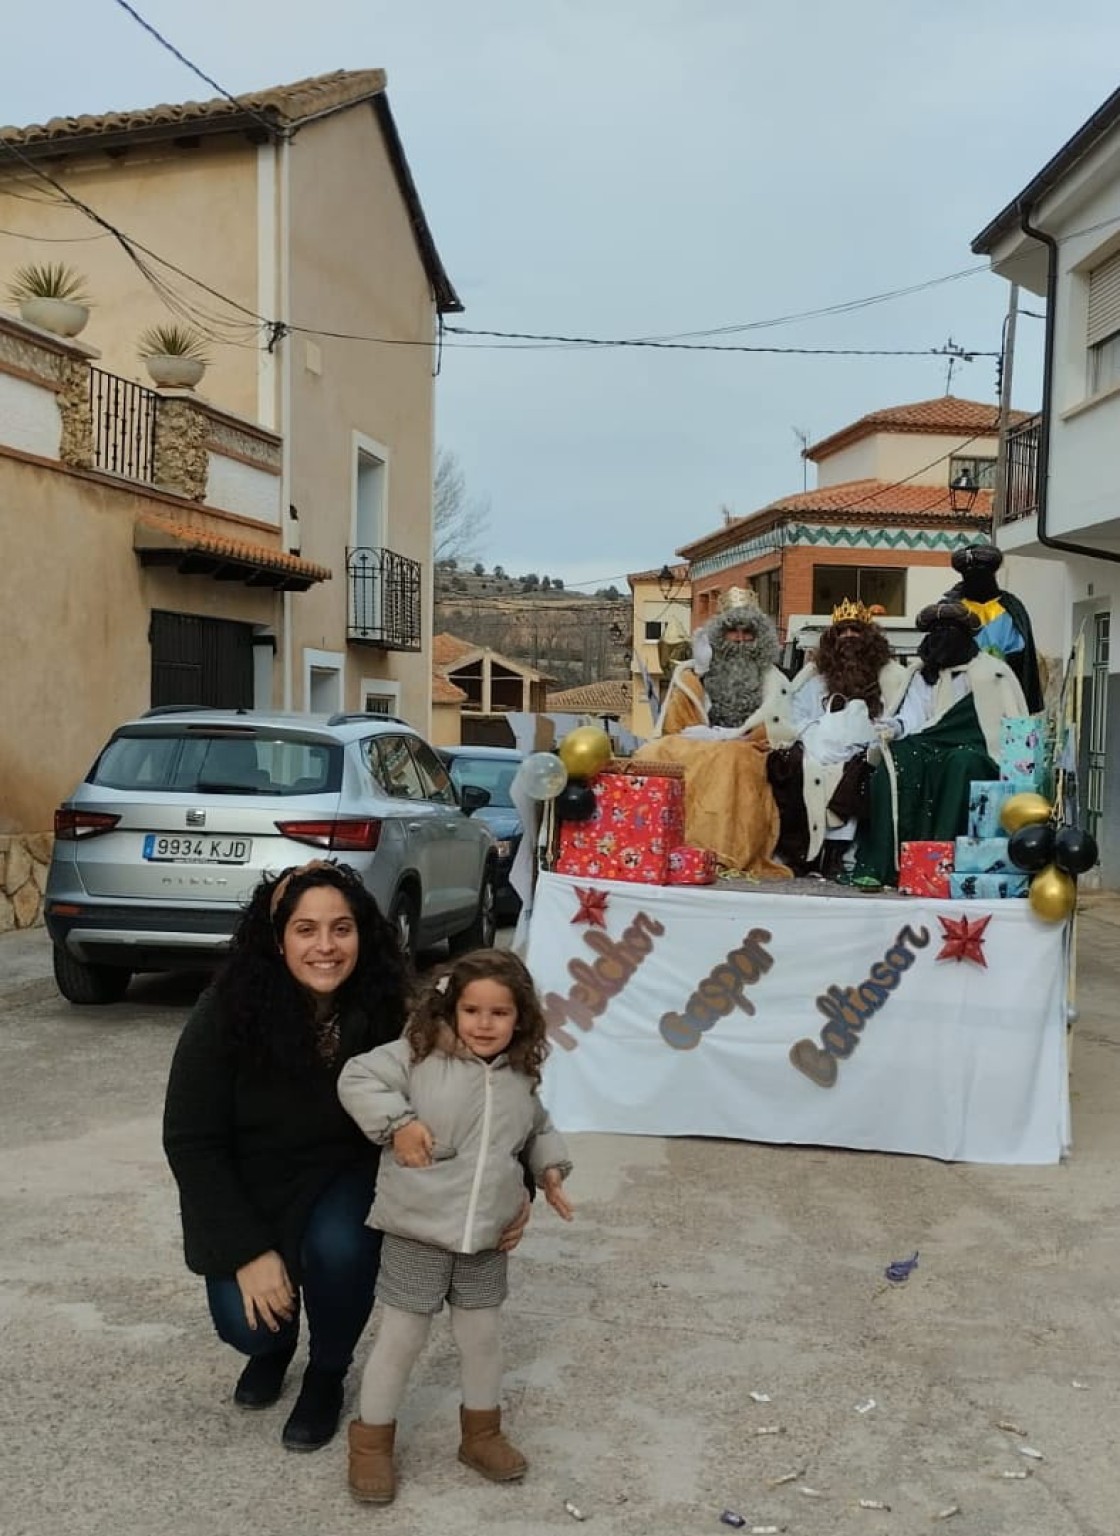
(196, 818)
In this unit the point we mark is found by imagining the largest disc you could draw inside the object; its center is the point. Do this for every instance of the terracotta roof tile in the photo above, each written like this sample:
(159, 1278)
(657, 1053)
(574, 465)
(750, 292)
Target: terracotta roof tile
(879, 499)
(947, 414)
(447, 649)
(858, 501)
(168, 532)
(283, 104)
(444, 691)
(611, 698)
(679, 572)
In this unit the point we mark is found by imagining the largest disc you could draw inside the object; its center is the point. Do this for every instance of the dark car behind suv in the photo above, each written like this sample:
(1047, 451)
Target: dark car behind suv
(492, 769)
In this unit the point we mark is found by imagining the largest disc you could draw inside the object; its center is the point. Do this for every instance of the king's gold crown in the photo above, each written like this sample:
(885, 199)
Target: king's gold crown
(848, 612)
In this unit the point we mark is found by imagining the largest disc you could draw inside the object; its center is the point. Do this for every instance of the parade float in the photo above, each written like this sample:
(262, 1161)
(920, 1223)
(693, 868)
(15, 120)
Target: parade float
(929, 1019)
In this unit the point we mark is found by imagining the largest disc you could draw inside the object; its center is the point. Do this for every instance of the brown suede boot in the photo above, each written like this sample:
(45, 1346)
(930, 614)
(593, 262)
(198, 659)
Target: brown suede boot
(486, 1449)
(372, 1479)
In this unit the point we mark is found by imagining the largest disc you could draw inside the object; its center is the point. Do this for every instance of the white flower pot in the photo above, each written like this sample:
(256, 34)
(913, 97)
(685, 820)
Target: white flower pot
(172, 372)
(59, 316)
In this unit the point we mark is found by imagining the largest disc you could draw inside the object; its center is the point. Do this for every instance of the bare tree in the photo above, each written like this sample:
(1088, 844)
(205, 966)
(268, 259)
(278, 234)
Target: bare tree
(460, 523)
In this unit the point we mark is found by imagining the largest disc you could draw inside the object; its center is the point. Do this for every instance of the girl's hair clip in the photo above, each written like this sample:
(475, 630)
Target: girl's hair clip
(443, 982)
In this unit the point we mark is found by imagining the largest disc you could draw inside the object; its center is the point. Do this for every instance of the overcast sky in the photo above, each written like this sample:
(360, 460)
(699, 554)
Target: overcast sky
(644, 167)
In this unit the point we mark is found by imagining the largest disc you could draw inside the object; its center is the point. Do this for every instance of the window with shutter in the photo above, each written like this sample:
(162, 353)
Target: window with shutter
(1103, 332)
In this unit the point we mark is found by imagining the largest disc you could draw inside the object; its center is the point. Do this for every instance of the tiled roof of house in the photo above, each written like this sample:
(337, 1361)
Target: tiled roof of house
(592, 699)
(447, 649)
(285, 105)
(679, 572)
(881, 498)
(153, 533)
(857, 501)
(946, 414)
(444, 691)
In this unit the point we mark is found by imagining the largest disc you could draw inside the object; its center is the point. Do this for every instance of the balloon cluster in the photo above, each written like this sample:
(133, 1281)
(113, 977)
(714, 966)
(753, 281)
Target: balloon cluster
(583, 752)
(560, 776)
(1052, 856)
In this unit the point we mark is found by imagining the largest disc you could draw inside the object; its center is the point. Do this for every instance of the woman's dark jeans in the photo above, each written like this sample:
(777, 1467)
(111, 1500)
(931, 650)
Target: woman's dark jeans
(339, 1259)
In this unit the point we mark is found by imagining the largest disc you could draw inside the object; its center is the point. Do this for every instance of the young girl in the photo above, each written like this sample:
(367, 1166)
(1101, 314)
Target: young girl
(457, 1099)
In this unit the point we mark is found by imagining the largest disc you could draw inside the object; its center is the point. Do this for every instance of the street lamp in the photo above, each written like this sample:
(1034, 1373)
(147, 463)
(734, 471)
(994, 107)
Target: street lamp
(668, 584)
(962, 492)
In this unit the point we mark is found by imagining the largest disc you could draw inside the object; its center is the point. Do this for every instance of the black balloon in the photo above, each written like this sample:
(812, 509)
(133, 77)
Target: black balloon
(1032, 847)
(1075, 851)
(575, 802)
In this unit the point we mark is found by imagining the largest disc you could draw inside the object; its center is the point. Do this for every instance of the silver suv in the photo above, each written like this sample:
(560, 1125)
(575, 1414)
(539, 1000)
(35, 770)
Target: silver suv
(183, 811)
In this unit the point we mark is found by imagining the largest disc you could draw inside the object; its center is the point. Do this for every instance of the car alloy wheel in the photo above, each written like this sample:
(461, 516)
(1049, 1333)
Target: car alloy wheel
(403, 920)
(484, 926)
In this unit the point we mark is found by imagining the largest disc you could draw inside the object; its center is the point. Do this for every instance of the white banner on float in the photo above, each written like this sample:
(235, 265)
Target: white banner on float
(922, 1026)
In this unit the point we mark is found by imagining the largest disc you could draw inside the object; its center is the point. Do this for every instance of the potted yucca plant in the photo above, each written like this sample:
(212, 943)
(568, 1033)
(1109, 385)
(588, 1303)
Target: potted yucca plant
(52, 296)
(175, 355)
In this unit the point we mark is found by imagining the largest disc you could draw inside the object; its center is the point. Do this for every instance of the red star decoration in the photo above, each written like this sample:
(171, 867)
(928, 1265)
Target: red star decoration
(964, 939)
(592, 906)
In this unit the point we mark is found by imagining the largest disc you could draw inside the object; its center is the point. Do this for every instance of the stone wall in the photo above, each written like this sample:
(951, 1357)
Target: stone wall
(181, 459)
(24, 860)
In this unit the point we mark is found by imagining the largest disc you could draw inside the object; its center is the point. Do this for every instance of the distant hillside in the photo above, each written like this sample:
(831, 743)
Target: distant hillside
(573, 637)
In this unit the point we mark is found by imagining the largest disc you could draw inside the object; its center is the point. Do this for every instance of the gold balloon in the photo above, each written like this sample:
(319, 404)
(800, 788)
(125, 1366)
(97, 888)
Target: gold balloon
(1025, 810)
(1053, 894)
(585, 750)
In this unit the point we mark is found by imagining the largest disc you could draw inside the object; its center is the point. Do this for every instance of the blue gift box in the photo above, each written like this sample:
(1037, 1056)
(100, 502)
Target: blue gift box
(1024, 750)
(982, 856)
(987, 887)
(986, 799)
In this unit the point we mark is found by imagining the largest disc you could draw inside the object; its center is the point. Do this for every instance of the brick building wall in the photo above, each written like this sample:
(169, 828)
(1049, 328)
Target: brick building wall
(795, 567)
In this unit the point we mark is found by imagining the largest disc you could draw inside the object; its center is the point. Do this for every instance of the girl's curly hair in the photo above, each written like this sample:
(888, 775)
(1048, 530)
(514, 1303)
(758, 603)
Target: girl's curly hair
(265, 1013)
(438, 1006)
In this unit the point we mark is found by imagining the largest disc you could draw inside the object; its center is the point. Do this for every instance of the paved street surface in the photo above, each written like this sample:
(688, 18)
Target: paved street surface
(696, 1273)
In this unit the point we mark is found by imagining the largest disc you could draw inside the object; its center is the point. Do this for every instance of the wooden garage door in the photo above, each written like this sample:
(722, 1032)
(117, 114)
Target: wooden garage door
(201, 661)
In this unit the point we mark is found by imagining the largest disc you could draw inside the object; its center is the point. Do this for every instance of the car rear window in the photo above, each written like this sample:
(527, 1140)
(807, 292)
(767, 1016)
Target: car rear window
(198, 762)
(492, 773)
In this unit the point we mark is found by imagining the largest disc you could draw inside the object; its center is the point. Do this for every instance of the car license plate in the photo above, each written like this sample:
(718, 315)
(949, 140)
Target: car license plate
(197, 850)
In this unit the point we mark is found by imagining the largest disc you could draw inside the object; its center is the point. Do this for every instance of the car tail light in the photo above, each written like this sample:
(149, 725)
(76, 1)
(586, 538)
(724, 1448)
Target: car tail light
(339, 836)
(70, 826)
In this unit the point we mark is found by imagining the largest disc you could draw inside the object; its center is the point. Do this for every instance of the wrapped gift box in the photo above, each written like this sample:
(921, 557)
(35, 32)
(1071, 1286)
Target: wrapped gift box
(987, 887)
(983, 856)
(692, 866)
(986, 799)
(924, 869)
(1024, 751)
(638, 821)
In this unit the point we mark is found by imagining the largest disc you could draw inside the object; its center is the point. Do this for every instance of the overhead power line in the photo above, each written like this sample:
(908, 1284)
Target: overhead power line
(963, 353)
(141, 21)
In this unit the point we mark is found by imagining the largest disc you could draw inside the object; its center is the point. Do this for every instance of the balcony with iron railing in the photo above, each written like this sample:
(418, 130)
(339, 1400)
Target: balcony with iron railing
(123, 421)
(57, 404)
(1021, 497)
(382, 599)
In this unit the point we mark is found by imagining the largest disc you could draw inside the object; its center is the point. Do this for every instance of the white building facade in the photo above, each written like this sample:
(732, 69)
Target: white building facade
(1059, 239)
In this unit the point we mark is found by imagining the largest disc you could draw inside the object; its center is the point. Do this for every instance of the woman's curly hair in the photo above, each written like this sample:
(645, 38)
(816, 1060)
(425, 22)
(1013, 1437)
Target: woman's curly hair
(439, 1004)
(266, 1014)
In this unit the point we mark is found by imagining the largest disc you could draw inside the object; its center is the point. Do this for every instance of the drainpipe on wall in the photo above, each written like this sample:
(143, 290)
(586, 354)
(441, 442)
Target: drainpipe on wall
(1044, 538)
(285, 350)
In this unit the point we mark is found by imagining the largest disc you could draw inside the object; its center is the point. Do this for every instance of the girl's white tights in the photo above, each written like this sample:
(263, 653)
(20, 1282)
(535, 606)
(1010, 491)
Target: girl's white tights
(400, 1339)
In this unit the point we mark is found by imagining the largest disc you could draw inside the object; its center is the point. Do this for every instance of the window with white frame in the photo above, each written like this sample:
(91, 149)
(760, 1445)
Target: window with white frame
(1103, 336)
(980, 469)
(380, 696)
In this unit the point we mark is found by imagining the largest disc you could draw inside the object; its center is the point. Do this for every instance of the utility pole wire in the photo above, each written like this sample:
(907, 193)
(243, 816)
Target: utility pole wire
(999, 499)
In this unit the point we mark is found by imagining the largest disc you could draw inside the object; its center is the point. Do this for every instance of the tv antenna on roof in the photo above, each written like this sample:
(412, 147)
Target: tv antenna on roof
(802, 436)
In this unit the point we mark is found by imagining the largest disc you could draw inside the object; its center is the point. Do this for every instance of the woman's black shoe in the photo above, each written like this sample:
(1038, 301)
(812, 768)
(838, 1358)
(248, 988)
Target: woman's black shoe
(314, 1419)
(260, 1382)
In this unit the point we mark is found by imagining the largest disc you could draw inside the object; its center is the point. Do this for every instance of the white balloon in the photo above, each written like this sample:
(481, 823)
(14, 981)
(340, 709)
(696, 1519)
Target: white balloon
(543, 775)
